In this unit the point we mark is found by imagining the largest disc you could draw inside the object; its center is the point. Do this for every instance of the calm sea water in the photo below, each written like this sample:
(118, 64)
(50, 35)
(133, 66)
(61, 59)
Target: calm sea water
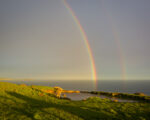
(83, 96)
(129, 86)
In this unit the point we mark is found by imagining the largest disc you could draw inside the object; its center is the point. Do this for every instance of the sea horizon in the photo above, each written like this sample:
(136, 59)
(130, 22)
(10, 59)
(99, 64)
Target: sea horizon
(128, 86)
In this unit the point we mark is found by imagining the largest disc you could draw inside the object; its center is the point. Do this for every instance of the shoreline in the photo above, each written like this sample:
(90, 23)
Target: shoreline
(140, 97)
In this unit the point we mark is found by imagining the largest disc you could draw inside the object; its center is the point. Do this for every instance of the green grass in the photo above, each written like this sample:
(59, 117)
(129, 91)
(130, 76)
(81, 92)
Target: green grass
(21, 102)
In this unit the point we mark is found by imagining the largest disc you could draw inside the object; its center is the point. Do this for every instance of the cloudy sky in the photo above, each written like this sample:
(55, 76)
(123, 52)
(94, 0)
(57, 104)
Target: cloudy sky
(39, 39)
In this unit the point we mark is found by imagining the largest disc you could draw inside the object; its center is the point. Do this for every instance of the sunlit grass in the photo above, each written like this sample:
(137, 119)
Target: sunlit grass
(22, 102)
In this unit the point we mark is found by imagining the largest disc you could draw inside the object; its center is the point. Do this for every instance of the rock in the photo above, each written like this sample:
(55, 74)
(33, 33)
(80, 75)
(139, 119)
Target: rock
(115, 100)
(140, 94)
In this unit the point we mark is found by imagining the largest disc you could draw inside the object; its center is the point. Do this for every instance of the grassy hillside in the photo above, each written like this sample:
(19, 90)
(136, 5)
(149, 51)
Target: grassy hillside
(21, 102)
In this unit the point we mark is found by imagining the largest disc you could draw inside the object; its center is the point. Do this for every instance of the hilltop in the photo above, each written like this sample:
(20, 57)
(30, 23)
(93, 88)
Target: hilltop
(22, 102)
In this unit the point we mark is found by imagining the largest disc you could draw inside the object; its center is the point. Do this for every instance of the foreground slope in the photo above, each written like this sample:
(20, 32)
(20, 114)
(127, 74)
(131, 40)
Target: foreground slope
(21, 102)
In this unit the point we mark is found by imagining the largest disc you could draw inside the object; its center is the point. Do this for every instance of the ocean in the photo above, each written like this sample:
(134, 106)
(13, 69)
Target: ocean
(128, 86)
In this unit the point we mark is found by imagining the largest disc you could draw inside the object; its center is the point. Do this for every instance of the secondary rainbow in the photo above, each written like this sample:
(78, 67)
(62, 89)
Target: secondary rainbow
(85, 38)
(117, 41)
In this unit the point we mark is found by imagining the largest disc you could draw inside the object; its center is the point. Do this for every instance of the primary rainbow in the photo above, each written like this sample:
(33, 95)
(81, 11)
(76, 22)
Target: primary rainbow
(84, 36)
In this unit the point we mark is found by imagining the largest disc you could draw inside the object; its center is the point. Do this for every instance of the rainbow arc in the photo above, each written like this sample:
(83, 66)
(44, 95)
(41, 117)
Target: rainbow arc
(85, 38)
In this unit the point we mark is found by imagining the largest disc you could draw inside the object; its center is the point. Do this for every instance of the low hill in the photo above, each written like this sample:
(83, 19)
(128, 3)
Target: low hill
(22, 102)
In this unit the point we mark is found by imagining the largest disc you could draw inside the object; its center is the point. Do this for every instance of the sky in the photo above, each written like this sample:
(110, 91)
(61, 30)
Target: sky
(39, 39)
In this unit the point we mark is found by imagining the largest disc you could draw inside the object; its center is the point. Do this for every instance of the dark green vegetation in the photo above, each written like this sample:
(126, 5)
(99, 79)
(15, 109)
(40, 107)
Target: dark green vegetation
(21, 102)
(141, 97)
